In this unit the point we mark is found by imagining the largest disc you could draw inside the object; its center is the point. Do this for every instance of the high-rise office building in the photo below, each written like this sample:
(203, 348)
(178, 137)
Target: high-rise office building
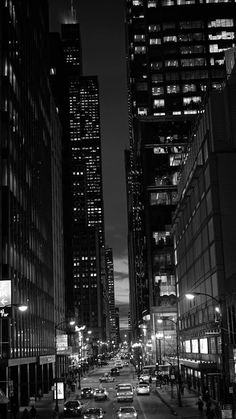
(111, 292)
(175, 53)
(31, 250)
(87, 188)
(204, 232)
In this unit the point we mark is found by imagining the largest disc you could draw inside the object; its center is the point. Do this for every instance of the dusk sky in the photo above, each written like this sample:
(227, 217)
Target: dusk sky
(103, 49)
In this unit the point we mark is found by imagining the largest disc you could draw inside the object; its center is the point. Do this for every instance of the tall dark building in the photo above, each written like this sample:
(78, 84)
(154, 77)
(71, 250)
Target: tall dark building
(111, 292)
(87, 189)
(31, 249)
(204, 231)
(175, 53)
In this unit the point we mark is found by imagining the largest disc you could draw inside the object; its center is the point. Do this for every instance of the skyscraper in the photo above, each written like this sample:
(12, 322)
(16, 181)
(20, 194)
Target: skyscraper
(87, 189)
(31, 250)
(111, 292)
(175, 53)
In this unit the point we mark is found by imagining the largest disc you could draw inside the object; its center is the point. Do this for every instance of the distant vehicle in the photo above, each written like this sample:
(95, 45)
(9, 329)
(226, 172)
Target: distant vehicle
(73, 408)
(106, 378)
(115, 371)
(126, 364)
(86, 393)
(143, 388)
(127, 412)
(144, 378)
(93, 413)
(104, 362)
(124, 392)
(119, 364)
(100, 394)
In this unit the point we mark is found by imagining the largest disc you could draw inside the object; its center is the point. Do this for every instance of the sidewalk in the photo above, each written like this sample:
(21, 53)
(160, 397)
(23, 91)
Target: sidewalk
(189, 408)
(46, 406)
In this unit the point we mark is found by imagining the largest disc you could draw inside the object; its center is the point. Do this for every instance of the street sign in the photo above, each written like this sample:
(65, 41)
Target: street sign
(5, 293)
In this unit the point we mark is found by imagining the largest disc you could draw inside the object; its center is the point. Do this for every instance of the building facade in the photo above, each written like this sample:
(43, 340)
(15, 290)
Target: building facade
(204, 226)
(175, 54)
(31, 250)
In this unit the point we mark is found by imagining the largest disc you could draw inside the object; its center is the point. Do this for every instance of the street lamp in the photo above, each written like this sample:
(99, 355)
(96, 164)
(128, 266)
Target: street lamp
(71, 323)
(224, 367)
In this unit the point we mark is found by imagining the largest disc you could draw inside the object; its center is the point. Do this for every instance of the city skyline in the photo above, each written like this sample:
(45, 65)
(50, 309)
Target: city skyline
(108, 63)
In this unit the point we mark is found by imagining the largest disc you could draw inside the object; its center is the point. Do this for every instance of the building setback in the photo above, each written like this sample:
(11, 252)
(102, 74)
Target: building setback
(31, 249)
(204, 233)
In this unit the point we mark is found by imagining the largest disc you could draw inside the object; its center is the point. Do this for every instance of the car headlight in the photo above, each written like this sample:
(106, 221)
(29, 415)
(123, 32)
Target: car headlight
(136, 414)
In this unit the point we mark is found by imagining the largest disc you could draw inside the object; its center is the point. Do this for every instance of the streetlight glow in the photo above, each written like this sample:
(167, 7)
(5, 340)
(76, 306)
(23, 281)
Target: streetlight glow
(190, 296)
(23, 308)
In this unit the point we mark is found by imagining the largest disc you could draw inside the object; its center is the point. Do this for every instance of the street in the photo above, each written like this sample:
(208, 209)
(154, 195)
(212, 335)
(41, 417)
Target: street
(146, 406)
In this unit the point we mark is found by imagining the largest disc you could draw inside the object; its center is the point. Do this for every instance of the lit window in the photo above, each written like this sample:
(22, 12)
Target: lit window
(189, 88)
(139, 38)
(171, 63)
(174, 88)
(155, 41)
(170, 38)
(220, 23)
(154, 28)
(137, 2)
(157, 91)
(52, 71)
(158, 103)
(152, 3)
(142, 111)
(140, 50)
(192, 99)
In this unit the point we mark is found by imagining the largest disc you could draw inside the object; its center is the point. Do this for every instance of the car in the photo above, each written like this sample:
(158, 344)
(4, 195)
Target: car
(73, 408)
(86, 393)
(93, 413)
(126, 364)
(106, 378)
(143, 388)
(115, 371)
(119, 364)
(127, 412)
(103, 362)
(100, 394)
(144, 378)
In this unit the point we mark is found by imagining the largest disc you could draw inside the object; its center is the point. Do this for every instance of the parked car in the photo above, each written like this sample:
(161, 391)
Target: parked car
(93, 413)
(86, 393)
(127, 412)
(119, 364)
(73, 408)
(106, 378)
(143, 388)
(100, 394)
(115, 372)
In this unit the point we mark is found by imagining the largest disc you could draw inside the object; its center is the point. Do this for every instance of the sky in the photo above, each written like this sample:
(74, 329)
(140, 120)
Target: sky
(103, 51)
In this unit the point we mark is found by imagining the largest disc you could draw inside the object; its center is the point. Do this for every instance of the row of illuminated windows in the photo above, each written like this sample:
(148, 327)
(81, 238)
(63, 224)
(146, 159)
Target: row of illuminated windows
(185, 88)
(192, 24)
(160, 103)
(203, 345)
(223, 35)
(184, 62)
(189, 75)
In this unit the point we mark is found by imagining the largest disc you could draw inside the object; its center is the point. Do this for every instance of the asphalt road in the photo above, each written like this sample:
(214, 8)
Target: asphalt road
(148, 407)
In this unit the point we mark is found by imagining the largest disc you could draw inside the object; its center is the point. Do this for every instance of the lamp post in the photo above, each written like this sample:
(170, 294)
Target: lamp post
(71, 323)
(224, 361)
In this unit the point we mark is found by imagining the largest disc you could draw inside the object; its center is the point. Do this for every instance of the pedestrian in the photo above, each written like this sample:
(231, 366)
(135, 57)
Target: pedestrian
(40, 393)
(208, 407)
(182, 387)
(200, 404)
(25, 414)
(33, 412)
